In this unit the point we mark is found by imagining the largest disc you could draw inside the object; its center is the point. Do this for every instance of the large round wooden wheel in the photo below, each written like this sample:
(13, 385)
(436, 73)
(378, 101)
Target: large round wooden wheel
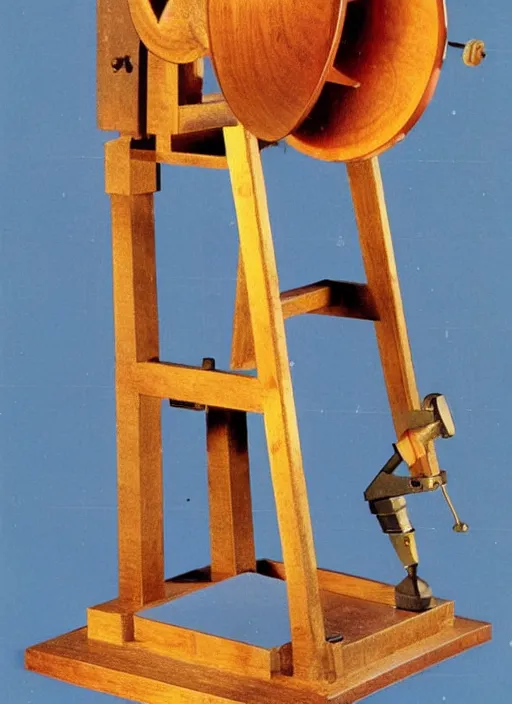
(394, 49)
(343, 79)
(271, 58)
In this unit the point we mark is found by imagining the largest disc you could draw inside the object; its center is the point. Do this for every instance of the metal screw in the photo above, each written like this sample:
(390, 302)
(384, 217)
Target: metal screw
(335, 639)
(120, 62)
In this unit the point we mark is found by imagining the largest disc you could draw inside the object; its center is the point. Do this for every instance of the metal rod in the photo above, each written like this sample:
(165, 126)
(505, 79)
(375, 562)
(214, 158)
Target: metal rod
(459, 526)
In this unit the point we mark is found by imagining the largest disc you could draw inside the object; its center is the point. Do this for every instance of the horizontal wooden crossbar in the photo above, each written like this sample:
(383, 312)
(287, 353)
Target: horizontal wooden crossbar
(338, 298)
(207, 649)
(194, 385)
(210, 114)
(338, 583)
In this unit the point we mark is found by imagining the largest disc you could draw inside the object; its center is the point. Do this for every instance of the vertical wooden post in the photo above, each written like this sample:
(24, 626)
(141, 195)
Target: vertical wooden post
(229, 489)
(131, 185)
(311, 654)
(380, 265)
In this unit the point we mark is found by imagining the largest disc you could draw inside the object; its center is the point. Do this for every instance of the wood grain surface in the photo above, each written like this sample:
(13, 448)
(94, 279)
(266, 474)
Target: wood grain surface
(394, 50)
(271, 58)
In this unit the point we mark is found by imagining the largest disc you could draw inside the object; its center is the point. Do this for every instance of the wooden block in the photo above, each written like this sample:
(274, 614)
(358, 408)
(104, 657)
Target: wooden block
(121, 94)
(127, 176)
(162, 116)
(109, 623)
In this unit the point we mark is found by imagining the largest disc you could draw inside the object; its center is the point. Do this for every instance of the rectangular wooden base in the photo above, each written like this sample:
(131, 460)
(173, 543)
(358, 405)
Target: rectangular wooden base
(151, 664)
(131, 672)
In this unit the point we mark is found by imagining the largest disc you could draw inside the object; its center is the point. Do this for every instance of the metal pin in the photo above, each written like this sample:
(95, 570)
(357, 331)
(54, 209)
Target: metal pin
(459, 526)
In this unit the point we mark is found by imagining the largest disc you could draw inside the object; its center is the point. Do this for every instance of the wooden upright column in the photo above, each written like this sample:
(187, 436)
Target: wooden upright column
(131, 185)
(311, 654)
(381, 272)
(229, 491)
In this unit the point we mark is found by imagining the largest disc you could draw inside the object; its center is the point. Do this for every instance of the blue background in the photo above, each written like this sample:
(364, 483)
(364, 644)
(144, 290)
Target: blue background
(450, 201)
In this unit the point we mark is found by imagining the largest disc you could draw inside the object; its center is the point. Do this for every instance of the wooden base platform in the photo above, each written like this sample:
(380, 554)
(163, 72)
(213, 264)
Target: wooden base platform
(380, 646)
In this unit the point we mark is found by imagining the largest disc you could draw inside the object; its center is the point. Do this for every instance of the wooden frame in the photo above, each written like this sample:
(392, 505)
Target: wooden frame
(122, 652)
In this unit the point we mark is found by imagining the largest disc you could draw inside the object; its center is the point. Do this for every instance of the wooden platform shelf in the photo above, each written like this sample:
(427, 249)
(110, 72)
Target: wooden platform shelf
(156, 662)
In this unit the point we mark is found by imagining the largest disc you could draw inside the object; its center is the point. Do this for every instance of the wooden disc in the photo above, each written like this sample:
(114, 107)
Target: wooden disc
(178, 35)
(394, 49)
(271, 57)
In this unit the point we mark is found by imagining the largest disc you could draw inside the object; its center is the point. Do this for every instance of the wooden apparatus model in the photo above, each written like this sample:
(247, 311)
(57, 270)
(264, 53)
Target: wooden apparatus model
(341, 80)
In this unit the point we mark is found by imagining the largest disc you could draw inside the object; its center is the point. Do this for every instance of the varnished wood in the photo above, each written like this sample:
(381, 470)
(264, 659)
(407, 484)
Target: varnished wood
(206, 649)
(134, 673)
(128, 176)
(164, 154)
(212, 114)
(310, 651)
(394, 51)
(336, 76)
(141, 561)
(341, 299)
(381, 272)
(283, 67)
(195, 385)
(229, 492)
(120, 95)
(242, 342)
(178, 34)
(345, 584)
(337, 298)
(113, 621)
(163, 93)
(271, 58)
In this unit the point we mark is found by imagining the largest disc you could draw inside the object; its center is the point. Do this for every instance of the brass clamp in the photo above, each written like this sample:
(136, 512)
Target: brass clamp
(386, 495)
(434, 420)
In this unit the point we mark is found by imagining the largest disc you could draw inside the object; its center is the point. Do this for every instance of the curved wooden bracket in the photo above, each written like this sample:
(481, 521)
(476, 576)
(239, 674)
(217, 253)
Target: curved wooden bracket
(179, 35)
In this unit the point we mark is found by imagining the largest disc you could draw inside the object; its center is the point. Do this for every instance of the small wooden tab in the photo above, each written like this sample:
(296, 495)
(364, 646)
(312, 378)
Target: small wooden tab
(334, 75)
